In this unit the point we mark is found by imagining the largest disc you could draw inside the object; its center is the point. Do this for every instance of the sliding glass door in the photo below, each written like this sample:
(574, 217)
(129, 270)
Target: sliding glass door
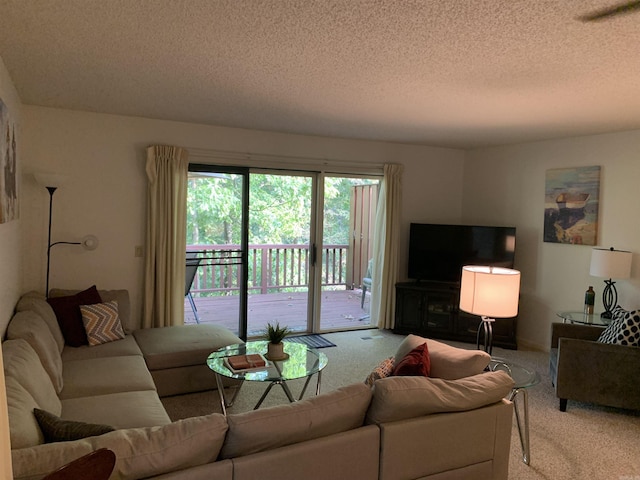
(279, 246)
(217, 247)
(280, 250)
(348, 215)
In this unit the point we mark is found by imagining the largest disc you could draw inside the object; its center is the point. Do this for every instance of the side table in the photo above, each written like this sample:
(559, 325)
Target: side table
(583, 318)
(523, 378)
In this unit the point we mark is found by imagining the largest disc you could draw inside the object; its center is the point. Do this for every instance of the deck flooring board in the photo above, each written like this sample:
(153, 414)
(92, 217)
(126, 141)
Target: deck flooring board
(340, 310)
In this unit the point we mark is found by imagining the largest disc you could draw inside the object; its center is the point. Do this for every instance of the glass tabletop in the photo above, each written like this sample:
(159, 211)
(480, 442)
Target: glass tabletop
(583, 318)
(522, 376)
(303, 361)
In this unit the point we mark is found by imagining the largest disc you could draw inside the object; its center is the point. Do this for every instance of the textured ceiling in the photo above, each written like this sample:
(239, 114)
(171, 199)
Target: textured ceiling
(455, 73)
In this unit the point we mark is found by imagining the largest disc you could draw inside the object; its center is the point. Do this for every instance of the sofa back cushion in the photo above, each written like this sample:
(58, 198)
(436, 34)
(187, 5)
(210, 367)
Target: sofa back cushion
(23, 428)
(120, 295)
(399, 398)
(22, 363)
(150, 451)
(446, 361)
(28, 326)
(37, 302)
(269, 428)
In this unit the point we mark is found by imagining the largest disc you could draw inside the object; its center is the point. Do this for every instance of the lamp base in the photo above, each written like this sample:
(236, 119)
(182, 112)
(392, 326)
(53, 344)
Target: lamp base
(486, 328)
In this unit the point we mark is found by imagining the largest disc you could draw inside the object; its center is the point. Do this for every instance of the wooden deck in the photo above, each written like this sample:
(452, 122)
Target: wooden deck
(340, 310)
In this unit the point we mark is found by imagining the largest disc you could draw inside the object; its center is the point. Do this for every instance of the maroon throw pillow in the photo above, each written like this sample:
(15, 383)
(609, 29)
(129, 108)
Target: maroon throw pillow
(67, 310)
(415, 363)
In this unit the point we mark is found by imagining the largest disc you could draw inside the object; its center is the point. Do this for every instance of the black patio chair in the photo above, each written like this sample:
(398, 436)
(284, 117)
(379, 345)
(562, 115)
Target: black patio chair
(192, 264)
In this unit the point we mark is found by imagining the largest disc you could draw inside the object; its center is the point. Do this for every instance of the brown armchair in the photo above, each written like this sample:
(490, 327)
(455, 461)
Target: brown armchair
(585, 370)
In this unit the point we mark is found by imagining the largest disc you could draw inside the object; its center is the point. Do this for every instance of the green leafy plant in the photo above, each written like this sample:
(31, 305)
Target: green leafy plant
(276, 333)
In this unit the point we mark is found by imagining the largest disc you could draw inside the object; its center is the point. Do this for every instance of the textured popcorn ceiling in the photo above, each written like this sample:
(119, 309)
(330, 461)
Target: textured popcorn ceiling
(458, 73)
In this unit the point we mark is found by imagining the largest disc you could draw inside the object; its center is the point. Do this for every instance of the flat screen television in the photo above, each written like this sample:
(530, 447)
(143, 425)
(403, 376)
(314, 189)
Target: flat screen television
(438, 252)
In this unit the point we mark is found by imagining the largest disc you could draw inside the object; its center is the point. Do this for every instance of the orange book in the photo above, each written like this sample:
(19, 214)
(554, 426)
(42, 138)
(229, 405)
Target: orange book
(246, 362)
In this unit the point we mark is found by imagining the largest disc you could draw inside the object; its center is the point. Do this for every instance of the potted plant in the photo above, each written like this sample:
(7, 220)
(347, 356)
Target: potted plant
(275, 334)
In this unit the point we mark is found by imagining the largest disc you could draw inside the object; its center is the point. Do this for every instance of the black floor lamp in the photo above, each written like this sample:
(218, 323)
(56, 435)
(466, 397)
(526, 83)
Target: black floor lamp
(90, 242)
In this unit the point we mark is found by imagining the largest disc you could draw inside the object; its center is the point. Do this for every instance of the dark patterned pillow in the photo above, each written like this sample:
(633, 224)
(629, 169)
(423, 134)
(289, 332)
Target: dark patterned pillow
(624, 328)
(55, 429)
(67, 310)
(383, 370)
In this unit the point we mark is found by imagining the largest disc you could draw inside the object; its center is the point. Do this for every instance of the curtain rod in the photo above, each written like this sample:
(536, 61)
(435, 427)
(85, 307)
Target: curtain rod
(261, 160)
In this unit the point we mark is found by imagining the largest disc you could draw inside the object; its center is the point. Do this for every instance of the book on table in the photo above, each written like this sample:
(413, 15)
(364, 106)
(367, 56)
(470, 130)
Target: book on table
(245, 363)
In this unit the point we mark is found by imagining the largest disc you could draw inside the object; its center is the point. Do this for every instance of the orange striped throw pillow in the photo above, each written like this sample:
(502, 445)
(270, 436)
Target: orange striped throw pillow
(102, 322)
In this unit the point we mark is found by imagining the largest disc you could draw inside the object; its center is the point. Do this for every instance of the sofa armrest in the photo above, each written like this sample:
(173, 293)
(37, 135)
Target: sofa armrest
(573, 330)
(596, 372)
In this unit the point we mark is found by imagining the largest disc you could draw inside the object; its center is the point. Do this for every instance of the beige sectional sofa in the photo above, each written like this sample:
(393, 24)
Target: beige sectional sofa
(403, 427)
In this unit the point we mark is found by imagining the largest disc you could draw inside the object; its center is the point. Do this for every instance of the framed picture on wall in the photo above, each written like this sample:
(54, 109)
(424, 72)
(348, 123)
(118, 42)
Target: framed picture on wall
(8, 167)
(572, 197)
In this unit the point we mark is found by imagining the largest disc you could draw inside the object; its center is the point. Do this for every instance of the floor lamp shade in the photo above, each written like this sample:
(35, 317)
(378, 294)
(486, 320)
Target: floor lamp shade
(490, 291)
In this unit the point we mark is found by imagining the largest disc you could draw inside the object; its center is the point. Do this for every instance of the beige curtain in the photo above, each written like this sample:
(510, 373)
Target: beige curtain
(167, 169)
(386, 249)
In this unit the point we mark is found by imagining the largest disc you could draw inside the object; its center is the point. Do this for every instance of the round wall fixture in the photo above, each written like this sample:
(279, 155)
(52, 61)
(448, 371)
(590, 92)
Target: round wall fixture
(90, 242)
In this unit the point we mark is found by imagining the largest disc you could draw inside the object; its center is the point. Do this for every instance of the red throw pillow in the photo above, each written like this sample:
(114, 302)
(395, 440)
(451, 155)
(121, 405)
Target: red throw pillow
(67, 310)
(415, 363)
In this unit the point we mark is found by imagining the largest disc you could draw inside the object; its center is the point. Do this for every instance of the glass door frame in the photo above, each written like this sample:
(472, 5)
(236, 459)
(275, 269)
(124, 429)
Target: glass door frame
(244, 235)
(314, 278)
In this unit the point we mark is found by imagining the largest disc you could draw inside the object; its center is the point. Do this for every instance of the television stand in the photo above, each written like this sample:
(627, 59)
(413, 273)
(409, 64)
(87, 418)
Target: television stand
(431, 309)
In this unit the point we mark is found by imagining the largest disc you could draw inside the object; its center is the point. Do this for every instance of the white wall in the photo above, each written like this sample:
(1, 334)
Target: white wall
(506, 186)
(10, 277)
(105, 195)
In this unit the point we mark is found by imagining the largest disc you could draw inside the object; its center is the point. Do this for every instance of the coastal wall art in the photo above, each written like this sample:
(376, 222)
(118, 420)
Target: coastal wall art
(8, 167)
(571, 205)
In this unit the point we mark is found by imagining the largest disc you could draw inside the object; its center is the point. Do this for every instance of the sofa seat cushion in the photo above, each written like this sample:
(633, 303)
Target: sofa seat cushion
(399, 398)
(22, 363)
(446, 361)
(30, 327)
(37, 303)
(260, 430)
(23, 428)
(101, 376)
(182, 345)
(120, 348)
(119, 410)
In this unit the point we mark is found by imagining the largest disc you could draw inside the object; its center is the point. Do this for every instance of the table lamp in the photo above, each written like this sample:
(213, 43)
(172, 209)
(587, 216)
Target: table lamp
(610, 263)
(490, 292)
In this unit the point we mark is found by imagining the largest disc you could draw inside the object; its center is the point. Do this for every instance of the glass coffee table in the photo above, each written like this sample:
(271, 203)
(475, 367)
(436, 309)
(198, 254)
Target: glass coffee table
(303, 362)
(523, 379)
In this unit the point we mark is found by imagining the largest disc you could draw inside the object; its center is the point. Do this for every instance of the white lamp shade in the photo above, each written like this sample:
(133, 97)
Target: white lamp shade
(490, 291)
(609, 263)
(54, 180)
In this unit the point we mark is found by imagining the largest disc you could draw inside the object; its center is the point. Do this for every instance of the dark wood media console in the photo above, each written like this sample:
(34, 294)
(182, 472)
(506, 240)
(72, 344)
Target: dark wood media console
(431, 309)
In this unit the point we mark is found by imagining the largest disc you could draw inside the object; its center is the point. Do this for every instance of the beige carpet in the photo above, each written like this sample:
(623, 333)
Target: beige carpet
(585, 442)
